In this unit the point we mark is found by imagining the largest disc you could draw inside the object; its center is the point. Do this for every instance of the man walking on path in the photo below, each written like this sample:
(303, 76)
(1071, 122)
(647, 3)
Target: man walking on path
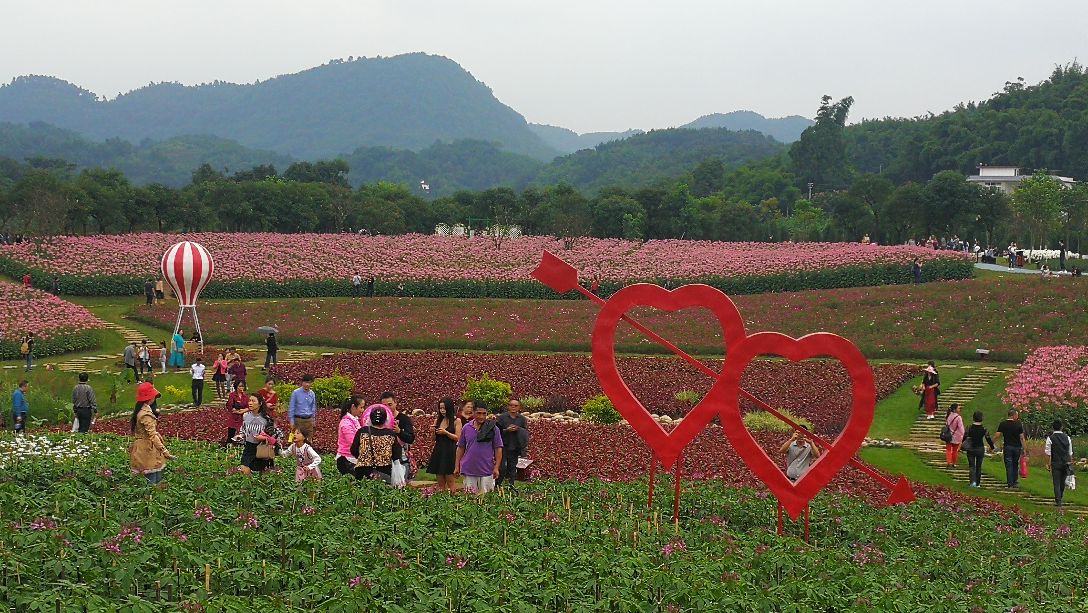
(1059, 459)
(302, 409)
(20, 409)
(1011, 434)
(149, 292)
(129, 357)
(273, 347)
(84, 403)
(479, 452)
(515, 437)
(197, 371)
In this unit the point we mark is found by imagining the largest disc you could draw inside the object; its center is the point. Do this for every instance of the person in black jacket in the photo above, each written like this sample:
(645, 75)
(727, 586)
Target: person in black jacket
(273, 347)
(972, 444)
(373, 444)
(515, 437)
(406, 436)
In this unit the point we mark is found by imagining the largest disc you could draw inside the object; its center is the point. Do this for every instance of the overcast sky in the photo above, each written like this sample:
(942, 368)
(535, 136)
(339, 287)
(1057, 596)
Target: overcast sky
(588, 65)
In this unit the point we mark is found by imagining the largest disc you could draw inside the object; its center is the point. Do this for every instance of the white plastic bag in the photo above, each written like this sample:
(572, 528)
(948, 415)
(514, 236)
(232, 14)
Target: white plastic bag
(75, 424)
(1071, 482)
(397, 474)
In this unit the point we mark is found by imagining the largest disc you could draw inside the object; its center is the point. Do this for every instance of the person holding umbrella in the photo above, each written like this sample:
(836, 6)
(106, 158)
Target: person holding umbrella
(271, 344)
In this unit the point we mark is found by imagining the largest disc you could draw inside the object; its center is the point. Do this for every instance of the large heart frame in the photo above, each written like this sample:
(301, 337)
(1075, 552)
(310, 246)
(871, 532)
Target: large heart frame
(794, 497)
(666, 446)
(724, 394)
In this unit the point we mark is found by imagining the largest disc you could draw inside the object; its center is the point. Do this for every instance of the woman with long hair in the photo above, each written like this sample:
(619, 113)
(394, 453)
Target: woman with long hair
(258, 429)
(219, 375)
(237, 406)
(447, 429)
(147, 453)
(350, 410)
(955, 425)
(975, 451)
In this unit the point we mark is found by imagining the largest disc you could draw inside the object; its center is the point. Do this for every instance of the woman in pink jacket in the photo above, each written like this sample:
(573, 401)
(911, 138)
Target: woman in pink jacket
(955, 424)
(350, 411)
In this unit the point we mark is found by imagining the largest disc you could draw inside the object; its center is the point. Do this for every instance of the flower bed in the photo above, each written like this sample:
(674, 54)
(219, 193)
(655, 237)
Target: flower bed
(934, 320)
(1052, 384)
(58, 326)
(209, 539)
(301, 265)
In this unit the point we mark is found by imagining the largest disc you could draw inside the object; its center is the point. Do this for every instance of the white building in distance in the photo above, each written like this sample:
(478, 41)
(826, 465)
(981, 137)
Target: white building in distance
(1006, 178)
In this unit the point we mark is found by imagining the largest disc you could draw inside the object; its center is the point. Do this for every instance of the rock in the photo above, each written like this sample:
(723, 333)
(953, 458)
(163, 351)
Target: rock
(570, 413)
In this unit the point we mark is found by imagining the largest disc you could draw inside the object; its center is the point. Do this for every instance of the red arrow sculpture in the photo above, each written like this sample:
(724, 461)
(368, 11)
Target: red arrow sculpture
(562, 277)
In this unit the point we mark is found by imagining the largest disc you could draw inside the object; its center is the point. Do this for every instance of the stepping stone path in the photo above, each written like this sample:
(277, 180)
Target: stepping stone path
(925, 438)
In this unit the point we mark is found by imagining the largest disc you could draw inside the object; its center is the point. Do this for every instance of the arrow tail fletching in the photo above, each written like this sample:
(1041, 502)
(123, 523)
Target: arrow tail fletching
(555, 273)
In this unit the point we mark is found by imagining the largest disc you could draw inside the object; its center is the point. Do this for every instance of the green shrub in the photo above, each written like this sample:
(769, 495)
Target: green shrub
(689, 396)
(761, 421)
(599, 410)
(331, 391)
(491, 391)
(1037, 422)
(533, 403)
(849, 276)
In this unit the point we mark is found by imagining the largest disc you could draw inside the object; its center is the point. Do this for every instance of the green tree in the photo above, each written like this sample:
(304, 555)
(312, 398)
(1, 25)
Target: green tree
(1037, 203)
(808, 222)
(993, 210)
(819, 156)
(951, 203)
(112, 199)
(873, 191)
(708, 178)
(614, 215)
(569, 215)
(903, 213)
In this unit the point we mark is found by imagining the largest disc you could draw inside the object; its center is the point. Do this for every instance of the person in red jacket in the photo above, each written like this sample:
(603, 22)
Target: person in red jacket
(237, 405)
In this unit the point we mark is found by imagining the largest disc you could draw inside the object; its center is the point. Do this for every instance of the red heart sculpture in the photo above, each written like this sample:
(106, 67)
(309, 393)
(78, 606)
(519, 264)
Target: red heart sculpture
(665, 445)
(794, 497)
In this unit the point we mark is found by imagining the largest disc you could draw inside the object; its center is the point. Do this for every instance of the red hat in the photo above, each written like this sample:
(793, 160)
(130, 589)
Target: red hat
(146, 392)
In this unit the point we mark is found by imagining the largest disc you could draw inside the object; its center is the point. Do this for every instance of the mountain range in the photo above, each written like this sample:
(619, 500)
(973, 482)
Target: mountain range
(408, 101)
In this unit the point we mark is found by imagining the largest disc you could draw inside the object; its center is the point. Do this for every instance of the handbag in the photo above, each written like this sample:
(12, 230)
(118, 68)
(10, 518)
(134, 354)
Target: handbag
(265, 451)
(1023, 466)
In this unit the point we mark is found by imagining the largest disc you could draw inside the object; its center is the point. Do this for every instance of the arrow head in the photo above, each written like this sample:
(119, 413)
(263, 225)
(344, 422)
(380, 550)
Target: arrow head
(555, 273)
(901, 493)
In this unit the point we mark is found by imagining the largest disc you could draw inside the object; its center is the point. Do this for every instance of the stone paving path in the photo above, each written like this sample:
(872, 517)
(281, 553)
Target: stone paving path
(925, 438)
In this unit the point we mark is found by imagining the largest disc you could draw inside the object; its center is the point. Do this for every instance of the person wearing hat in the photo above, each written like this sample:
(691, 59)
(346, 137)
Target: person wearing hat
(147, 453)
(931, 388)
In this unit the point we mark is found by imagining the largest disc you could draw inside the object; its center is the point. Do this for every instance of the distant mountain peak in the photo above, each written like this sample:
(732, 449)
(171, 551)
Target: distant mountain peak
(783, 129)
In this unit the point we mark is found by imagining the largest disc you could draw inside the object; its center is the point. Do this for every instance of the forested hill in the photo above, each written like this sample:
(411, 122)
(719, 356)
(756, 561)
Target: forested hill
(1042, 126)
(408, 101)
(446, 167)
(784, 129)
(656, 155)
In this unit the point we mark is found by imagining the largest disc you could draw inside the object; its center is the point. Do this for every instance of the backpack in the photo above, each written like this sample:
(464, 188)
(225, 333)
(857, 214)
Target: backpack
(946, 434)
(24, 348)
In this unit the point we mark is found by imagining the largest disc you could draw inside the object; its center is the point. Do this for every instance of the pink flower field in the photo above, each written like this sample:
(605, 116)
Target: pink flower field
(1051, 377)
(309, 257)
(23, 310)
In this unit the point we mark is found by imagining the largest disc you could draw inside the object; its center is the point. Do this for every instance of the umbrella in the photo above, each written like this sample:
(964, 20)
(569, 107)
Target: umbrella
(268, 330)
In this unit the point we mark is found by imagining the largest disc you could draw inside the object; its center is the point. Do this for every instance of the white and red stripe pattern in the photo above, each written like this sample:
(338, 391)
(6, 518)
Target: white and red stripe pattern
(187, 267)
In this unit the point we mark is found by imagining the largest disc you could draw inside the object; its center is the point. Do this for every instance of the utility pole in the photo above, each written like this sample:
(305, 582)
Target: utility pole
(810, 190)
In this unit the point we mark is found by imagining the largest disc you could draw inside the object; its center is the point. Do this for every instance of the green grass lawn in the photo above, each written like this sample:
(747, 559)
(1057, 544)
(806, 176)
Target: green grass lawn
(895, 414)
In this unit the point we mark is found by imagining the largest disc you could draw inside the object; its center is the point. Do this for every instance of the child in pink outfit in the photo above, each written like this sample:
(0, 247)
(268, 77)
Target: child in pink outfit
(308, 459)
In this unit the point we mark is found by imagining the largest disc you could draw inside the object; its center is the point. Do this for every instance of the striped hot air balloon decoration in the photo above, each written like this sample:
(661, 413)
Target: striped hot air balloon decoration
(187, 267)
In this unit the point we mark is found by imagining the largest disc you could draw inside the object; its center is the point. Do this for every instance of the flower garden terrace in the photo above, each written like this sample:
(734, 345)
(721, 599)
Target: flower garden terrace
(946, 320)
(299, 265)
(58, 326)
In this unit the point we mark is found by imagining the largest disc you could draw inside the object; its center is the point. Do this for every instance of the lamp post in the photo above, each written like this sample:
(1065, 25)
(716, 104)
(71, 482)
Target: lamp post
(810, 190)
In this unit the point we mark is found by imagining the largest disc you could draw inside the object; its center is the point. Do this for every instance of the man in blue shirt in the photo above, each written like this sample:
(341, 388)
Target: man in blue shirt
(303, 408)
(19, 407)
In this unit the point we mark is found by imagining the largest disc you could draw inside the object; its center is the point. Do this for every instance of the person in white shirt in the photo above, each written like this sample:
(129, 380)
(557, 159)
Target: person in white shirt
(356, 285)
(197, 370)
(1059, 459)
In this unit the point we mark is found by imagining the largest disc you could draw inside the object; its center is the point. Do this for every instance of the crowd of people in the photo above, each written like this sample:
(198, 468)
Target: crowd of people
(373, 441)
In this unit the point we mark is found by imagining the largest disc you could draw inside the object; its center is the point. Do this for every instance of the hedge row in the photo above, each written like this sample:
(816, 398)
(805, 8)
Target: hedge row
(828, 278)
(58, 343)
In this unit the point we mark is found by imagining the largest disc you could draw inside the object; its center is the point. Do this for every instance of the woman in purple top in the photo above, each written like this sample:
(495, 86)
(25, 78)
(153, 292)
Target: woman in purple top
(479, 452)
